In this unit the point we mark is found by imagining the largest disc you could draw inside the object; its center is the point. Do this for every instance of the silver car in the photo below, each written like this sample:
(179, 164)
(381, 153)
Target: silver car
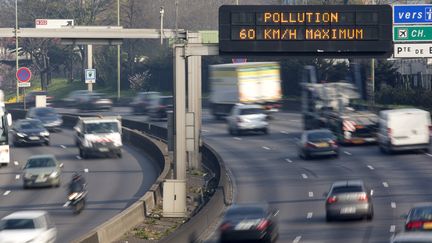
(349, 199)
(42, 170)
(319, 142)
(246, 118)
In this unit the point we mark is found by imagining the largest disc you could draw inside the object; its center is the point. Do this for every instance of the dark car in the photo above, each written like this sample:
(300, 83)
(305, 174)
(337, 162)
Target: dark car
(320, 142)
(249, 222)
(159, 107)
(142, 101)
(30, 98)
(349, 199)
(49, 117)
(419, 218)
(75, 97)
(94, 101)
(29, 131)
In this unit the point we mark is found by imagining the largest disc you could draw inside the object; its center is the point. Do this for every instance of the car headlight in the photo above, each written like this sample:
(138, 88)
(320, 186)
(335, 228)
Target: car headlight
(73, 195)
(27, 175)
(20, 134)
(53, 174)
(44, 133)
(117, 144)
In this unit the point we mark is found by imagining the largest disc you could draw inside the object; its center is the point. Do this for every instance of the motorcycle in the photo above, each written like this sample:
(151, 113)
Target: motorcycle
(76, 200)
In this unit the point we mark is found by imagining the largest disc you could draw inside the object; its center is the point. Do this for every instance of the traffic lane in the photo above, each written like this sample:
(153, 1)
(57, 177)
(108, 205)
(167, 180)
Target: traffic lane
(404, 177)
(330, 172)
(113, 184)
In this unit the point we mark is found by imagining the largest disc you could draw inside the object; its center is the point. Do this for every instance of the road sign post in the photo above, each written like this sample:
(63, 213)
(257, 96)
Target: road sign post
(23, 75)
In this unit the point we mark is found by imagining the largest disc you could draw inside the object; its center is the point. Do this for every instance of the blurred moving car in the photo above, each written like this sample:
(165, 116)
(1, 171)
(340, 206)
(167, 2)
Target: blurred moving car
(75, 97)
(349, 199)
(245, 118)
(94, 101)
(419, 218)
(159, 107)
(412, 237)
(30, 98)
(49, 117)
(42, 170)
(27, 226)
(29, 131)
(249, 222)
(320, 142)
(142, 101)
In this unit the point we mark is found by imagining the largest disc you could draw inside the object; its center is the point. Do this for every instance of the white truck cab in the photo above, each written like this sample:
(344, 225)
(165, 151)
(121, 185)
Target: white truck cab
(99, 135)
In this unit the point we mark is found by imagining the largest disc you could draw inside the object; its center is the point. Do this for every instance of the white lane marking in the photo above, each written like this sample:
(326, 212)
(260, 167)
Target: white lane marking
(66, 204)
(309, 215)
(304, 176)
(86, 170)
(288, 160)
(78, 157)
(62, 146)
(6, 193)
(392, 228)
(347, 153)
(237, 138)
(297, 239)
(294, 120)
(393, 204)
(17, 177)
(284, 132)
(16, 163)
(385, 184)
(205, 130)
(428, 154)
(310, 194)
(370, 167)
(266, 148)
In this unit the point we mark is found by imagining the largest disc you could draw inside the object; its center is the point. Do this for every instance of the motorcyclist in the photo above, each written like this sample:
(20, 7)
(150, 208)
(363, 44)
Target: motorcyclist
(77, 183)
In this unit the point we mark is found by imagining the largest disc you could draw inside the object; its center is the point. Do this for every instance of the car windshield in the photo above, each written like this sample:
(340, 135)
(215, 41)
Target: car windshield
(17, 224)
(320, 136)
(31, 125)
(347, 189)
(45, 112)
(423, 213)
(245, 212)
(40, 163)
(101, 127)
(251, 111)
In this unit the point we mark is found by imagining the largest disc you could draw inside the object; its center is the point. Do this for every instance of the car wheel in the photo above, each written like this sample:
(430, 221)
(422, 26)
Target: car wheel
(119, 154)
(265, 131)
(329, 218)
(47, 143)
(82, 153)
(25, 186)
(382, 149)
(230, 131)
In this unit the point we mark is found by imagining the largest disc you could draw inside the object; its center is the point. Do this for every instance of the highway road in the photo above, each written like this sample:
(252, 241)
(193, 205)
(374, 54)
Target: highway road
(113, 184)
(266, 168)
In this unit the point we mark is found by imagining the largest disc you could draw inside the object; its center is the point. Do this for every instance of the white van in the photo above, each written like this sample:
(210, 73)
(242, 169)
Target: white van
(404, 129)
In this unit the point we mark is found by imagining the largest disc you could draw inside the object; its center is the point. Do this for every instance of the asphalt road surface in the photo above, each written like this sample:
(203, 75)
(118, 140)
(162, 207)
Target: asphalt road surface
(266, 168)
(113, 185)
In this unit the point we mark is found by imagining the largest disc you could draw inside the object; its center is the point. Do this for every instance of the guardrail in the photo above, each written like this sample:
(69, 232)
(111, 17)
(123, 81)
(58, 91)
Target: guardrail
(141, 135)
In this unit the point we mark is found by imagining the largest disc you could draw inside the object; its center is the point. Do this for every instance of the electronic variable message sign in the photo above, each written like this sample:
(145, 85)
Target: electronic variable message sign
(315, 30)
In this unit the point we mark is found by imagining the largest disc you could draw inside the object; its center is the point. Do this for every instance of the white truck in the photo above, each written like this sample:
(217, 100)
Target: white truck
(247, 83)
(99, 135)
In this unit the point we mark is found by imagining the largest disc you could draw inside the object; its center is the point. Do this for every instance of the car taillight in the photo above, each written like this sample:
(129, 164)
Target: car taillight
(333, 143)
(331, 200)
(363, 197)
(263, 224)
(310, 145)
(389, 132)
(225, 226)
(239, 120)
(430, 130)
(414, 225)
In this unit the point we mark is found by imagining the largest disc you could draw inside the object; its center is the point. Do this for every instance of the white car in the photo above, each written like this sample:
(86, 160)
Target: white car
(244, 118)
(27, 226)
(412, 237)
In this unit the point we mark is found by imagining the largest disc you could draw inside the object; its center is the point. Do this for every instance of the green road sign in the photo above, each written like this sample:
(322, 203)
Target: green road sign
(412, 33)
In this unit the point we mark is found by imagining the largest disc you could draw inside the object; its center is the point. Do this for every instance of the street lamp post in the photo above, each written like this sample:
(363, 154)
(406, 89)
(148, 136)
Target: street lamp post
(16, 48)
(118, 53)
